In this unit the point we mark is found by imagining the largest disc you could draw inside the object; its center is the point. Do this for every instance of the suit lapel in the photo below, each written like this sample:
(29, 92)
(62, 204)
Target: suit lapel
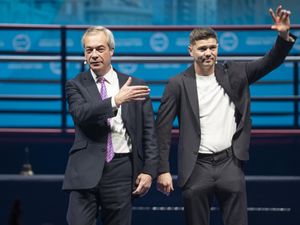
(91, 86)
(223, 80)
(222, 77)
(189, 81)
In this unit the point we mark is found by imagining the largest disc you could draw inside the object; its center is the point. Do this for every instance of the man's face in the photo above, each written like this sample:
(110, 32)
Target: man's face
(97, 53)
(205, 53)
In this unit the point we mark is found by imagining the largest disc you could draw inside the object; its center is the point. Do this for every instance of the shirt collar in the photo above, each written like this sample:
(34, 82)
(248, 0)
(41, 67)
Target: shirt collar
(109, 76)
(205, 77)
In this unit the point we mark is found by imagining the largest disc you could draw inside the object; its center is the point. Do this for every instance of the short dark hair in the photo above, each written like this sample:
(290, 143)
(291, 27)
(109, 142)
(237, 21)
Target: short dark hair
(202, 33)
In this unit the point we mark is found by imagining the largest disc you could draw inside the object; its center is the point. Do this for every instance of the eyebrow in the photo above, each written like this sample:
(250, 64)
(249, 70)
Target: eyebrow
(208, 46)
(98, 46)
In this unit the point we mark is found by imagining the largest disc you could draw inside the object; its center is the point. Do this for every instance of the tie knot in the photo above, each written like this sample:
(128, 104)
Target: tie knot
(100, 80)
(103, 91)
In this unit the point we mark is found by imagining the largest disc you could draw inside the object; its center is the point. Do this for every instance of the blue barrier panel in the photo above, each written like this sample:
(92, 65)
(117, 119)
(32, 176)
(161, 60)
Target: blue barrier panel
(30, 40)
(176, 43)
(43, 78)
(243, 42)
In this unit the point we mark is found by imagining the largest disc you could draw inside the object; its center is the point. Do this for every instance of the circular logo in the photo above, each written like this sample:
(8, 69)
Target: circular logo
(159, 42)
(229, 41)
(55, 68)
(128, 68)
(21, 43)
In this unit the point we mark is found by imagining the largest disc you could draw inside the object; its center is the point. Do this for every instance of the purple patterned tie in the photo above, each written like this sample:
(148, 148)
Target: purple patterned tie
(109, 146)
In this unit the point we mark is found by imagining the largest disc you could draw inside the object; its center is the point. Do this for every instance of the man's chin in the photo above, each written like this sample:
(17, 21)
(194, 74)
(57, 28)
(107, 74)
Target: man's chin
(97, 70)
(96, 66)
(210, 64)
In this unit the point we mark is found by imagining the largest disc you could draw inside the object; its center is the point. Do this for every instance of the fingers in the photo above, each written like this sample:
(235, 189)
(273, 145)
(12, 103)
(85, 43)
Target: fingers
(140, 88)
(272, 15)
(137, 93)
(128, 82)
(278, 10)
(137, 191)
(284, 14)
(281, 19)
(278, 13)
(131, 93)
(140, 190)
(135, 87)
(143, 183)
(165, 188)
(165, 183)
(168, 187)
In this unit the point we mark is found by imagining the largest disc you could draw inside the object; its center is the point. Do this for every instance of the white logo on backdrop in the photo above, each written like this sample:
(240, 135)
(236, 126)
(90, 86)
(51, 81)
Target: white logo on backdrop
(21, 42)
(55, 68)
(182, 42)
(128, 68)
(49, 42)
(229, 41)
(159, 42)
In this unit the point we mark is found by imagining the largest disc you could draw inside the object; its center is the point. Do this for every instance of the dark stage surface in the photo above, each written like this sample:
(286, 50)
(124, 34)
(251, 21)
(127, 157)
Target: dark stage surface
(273, 181)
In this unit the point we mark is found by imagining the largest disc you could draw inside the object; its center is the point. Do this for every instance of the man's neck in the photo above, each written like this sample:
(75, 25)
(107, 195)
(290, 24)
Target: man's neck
(204, 71)
(102, 72)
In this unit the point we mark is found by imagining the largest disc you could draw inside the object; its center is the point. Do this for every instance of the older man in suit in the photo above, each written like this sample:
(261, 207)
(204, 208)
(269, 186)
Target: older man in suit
(114, 156)
(212, 102)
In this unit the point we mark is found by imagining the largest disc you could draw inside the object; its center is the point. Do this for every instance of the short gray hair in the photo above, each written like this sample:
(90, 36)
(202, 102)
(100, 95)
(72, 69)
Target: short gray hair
(98, 29)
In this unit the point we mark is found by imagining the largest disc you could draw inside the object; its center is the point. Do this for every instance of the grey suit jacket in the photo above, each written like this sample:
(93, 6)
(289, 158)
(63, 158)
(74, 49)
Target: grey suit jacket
(180, 99)
(90, 114)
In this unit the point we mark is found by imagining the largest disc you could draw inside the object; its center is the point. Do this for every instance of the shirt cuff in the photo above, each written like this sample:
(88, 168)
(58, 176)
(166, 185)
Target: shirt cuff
(113, 103)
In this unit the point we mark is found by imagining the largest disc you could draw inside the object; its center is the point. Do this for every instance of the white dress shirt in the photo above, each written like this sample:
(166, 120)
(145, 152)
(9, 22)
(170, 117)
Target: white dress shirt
(120, 139)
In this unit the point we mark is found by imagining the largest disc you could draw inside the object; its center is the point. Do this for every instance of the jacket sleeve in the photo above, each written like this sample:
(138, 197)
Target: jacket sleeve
(274, 58)
(84, 109)
(149, 140)
(164, 122)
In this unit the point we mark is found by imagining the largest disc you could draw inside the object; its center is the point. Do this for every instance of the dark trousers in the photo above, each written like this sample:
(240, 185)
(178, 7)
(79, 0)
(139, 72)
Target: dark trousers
(221, 176)
(112, 196)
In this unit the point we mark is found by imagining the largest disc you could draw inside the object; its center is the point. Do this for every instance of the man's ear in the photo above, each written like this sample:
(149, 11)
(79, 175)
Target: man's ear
(85, 59)
(112, 51)
(190, 50)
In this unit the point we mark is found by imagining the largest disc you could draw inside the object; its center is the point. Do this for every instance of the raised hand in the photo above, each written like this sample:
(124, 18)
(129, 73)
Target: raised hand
(281, 19)
(131, 93)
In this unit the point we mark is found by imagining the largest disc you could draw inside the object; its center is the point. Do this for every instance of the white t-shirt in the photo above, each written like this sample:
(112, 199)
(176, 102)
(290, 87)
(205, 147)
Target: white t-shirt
(217, 119)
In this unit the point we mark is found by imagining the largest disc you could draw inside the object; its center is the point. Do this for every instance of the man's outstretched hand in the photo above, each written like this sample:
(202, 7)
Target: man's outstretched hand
(281, 21)
(131, 93)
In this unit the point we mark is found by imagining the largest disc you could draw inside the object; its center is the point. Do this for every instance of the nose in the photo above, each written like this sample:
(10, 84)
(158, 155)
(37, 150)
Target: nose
(94, 53)
(207, 51)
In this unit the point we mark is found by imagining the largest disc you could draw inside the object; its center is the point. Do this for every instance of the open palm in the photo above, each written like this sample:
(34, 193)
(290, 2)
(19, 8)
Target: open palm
(281, 19)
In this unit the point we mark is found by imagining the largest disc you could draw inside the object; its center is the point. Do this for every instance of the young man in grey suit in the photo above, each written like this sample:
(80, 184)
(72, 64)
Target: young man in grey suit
(212, 102)
(114, 156)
